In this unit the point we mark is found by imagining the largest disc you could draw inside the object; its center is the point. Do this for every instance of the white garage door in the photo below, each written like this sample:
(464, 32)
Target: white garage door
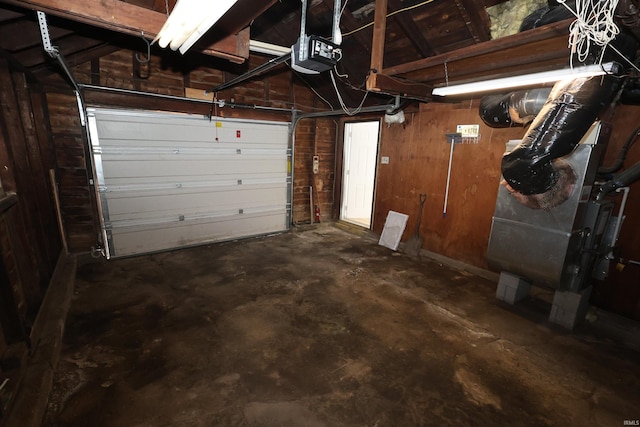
(170, 180)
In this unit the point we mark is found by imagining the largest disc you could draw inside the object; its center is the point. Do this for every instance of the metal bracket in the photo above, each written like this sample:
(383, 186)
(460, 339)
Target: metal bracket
(51, 50)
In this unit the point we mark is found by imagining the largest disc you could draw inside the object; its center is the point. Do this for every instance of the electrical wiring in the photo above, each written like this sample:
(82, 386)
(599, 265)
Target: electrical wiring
(311, 87)
(344, 79)
(395, 12)
(344, 6)
(342, 104)
(335, 67)
(594, 25)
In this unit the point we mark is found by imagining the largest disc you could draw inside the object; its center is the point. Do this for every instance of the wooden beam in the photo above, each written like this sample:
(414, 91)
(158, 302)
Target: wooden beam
(152, 101)
(128, 19)
(555, 30)
(404, 88)
(377, 44)
(161, 6)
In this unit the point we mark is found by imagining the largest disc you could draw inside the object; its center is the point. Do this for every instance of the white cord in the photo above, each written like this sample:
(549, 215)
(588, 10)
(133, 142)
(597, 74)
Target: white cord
(335, 67)
(342, 104)
(344, 6)
(627, 60)
(594, 24)
(311, 87)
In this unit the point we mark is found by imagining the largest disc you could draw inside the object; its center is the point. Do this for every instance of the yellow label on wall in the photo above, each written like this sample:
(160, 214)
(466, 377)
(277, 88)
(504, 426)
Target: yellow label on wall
(218, 124)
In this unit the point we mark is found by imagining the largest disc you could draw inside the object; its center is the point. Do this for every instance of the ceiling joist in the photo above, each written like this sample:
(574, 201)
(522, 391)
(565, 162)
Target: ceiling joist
(133, 20)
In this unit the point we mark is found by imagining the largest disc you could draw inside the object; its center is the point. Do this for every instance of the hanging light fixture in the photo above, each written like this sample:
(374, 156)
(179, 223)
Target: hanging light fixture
(525, 80)
(189, 20)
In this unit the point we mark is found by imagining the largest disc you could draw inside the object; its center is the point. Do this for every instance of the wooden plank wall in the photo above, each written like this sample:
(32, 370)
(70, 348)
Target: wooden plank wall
(419, 157)
(27, 157)
(121, 70)
(418, 154)
(29, 240)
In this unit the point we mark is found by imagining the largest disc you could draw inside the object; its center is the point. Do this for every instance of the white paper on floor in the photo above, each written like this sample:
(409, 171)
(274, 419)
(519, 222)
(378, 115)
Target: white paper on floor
(393, 229)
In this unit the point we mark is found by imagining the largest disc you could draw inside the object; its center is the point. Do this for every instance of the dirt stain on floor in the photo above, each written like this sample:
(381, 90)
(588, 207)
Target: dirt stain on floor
(320, 327)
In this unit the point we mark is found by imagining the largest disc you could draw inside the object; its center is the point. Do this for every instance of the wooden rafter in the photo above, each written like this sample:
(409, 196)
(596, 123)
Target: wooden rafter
(129, 19)
(519, 45)
(411, 30)
(476, 18)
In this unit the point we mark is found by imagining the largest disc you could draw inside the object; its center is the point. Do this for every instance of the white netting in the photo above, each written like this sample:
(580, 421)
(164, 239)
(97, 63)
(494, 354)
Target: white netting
(593, 25)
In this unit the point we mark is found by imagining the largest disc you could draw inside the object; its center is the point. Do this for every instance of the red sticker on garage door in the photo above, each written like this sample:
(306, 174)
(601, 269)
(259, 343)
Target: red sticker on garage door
(237, 134)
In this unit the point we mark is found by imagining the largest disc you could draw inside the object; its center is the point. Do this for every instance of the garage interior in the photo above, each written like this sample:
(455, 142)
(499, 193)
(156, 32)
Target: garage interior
(286, 219)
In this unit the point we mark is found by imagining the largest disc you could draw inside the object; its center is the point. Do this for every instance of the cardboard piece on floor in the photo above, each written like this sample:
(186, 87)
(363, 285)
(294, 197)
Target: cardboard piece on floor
(393, 229)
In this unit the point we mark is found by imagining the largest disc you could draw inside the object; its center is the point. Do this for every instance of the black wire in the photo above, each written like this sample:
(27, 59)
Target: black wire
(622, 155)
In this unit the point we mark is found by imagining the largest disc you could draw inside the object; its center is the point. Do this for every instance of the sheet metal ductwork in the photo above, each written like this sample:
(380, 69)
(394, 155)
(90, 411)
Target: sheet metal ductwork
(515, 108)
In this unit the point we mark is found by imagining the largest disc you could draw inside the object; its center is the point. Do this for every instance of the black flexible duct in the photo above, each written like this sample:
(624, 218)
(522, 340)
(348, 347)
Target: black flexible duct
(567, 114)
(571, 108)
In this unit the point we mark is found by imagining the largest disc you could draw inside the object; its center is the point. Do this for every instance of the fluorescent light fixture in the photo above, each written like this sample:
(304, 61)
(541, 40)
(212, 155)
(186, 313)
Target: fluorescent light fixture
(268, 48)
(189, 20)
(525, 80)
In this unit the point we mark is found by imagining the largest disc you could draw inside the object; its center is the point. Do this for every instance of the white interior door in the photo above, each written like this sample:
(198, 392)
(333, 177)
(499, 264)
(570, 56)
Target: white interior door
(359, 171)
(168, 180)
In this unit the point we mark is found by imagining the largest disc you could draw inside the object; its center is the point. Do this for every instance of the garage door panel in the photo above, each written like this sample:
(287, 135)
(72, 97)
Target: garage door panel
(171, 180)
(141, 168)
(134, 240)
(204, 182)
(123, 146)
(143, 203)
(200, 130)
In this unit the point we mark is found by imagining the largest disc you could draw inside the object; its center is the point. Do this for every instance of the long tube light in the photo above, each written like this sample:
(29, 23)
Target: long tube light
(189, 20)
(268, 48)
(525, 80)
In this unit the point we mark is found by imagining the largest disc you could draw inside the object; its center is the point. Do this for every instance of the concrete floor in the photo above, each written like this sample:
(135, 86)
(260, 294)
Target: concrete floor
(323, 327)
